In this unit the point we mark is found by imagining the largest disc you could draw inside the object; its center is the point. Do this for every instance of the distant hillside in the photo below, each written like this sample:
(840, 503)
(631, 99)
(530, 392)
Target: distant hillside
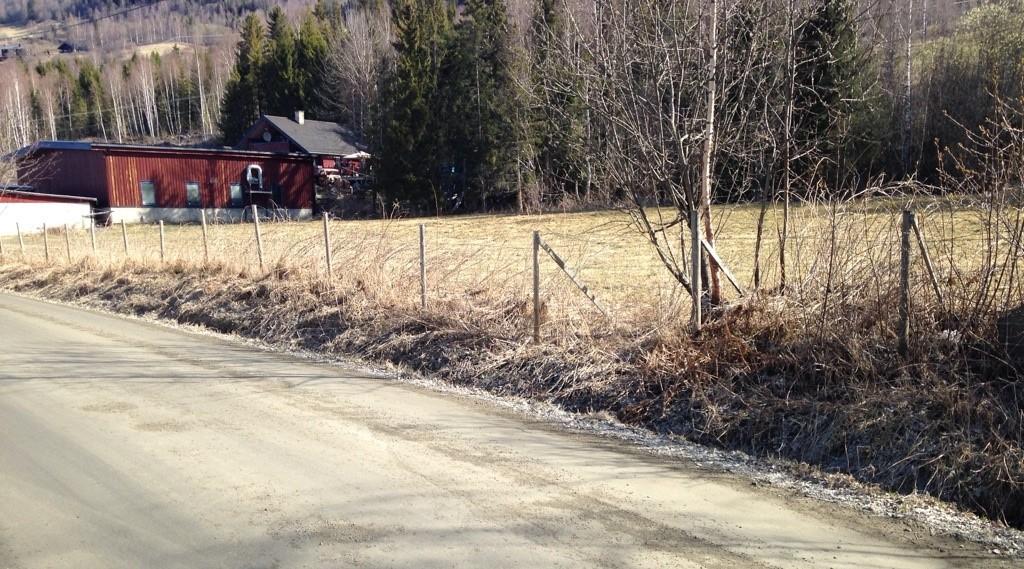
(40, 11)
(114, 26)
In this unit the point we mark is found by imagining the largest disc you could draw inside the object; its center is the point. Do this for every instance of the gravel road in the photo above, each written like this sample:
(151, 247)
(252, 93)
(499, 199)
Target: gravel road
(129, 444)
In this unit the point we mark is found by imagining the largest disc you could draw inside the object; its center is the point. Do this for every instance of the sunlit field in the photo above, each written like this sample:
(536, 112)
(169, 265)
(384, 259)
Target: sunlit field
(485, 256)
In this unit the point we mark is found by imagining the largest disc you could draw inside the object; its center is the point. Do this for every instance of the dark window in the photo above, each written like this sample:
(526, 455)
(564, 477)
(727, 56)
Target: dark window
(236, 195)
(148, 191)
(192, 194)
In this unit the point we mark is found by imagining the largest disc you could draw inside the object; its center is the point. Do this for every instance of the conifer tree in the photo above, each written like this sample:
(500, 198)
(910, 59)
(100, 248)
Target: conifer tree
(557, 113)
(826, 60)
(244, 93)
(312, 51)
(412, 145)
(283, 82)
(91, 98)
(482, 102)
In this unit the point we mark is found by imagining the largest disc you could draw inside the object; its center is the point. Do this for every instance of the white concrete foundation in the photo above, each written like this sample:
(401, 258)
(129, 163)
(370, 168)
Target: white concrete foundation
(192, 215)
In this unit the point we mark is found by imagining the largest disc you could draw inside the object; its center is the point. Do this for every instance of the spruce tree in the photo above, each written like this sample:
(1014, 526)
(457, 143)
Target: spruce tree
(36, 107)
(330, 14)
(557, 115)
(312, 51)
(90, 97)
(482, 103)
(412, 150)
(283, 85)
(826, 71)
(244, 100)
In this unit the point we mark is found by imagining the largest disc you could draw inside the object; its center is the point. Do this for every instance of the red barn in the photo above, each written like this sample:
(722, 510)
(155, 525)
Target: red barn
(149, 183)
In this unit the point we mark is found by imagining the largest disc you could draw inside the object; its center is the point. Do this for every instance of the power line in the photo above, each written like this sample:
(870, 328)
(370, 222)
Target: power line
(53, 28)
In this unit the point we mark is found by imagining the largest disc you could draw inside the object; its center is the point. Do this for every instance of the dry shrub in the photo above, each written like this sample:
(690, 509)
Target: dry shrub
(812, 376)
(763, 377)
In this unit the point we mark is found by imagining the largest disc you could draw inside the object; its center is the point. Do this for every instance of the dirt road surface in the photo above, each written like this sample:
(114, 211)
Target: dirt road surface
(130, 444)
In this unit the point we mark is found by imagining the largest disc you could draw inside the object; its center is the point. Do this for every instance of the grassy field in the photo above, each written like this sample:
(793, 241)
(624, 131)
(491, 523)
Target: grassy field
(7, 31)
(489, 257)
(161, 48)
(815, 375)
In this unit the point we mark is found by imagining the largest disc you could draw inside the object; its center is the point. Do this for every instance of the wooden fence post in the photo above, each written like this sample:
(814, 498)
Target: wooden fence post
(67, 241)
(423, 266)
(903, 330)
(536, 287)
(124, 237)
(259, 237)
(162, 252)
(695, 273)
(21, 240)
(92, 234)
(327, 247)
(46, 244)
(206, 241)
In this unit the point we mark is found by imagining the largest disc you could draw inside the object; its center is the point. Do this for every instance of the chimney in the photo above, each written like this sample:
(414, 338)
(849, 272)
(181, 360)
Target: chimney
(300, 117)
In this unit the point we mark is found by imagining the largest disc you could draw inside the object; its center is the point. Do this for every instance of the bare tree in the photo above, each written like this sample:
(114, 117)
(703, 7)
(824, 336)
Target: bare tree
(353, 67)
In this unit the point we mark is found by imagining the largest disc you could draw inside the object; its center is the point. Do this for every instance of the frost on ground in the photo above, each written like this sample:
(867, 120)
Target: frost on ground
(929, 514)
(644, 386)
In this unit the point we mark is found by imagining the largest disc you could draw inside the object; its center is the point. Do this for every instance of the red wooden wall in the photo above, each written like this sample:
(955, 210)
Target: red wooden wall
(65, 172)
(214, 171)
(111, 174)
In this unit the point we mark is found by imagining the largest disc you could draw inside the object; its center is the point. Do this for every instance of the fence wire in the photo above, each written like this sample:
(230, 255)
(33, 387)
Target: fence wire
(833, 257)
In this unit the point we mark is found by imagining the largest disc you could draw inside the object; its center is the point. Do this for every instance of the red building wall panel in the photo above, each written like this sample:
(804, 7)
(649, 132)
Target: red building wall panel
(65, 172)
(214, 172)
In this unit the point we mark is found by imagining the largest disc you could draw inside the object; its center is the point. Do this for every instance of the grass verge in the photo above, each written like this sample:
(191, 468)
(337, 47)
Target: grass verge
(762, 378)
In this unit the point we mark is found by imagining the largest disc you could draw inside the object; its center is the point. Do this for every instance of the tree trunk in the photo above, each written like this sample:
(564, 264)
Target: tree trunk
(714, 284)
(787, 175)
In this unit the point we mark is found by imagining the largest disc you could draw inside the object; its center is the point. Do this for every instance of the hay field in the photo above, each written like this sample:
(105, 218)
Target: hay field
(7, 31)
(161, 48)
(489, 257)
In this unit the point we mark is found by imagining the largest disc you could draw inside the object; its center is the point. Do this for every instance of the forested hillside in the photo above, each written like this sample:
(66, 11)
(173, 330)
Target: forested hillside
(493, 102)
(22, 12)
(147, 71)
(594, 101)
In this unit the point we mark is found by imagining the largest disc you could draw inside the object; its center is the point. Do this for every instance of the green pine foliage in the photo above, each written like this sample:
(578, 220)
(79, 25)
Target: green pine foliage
(89, 98)
(826, 73)
(311, 52)
(482, 104)
(412, 158)
(278, 68)
(281, 81)
(449, 109)
(557, 131)
(244, 95)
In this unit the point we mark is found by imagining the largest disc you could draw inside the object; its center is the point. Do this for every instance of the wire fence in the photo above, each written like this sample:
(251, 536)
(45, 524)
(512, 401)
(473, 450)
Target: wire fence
(596, 273)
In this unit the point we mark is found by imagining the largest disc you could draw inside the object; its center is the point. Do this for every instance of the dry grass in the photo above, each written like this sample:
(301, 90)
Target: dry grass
(7, 31)
(813, 375)
(490, 256)
(160, 48)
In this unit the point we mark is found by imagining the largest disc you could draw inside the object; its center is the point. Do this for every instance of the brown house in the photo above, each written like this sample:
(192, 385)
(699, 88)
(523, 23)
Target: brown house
(331, 145)
(148, 183)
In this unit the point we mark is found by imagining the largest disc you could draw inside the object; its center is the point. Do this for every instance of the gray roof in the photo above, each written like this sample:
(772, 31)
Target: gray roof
(67, 145)
(46, 145)
(317, 137)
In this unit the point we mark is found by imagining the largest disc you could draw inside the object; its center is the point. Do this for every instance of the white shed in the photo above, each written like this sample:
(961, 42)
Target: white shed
(28, 210)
